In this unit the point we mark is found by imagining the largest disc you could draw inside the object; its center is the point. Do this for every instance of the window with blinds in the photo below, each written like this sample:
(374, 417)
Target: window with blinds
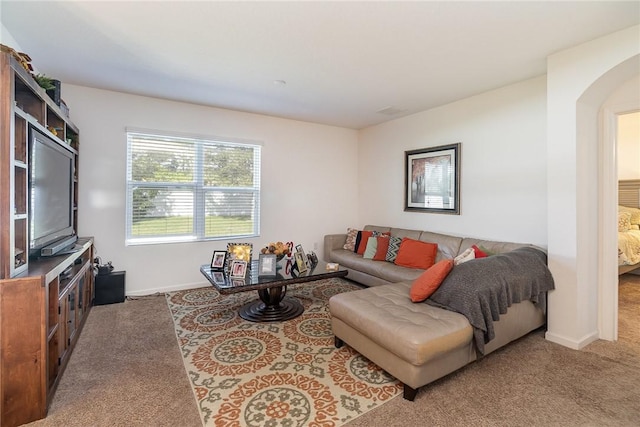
(187, 189)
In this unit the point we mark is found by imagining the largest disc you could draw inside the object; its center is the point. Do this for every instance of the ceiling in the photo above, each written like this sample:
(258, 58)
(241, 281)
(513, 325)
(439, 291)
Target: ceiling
(349, 64)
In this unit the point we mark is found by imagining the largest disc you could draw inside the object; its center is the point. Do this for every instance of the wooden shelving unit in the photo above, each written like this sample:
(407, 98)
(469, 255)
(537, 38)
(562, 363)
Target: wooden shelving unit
(43, 302)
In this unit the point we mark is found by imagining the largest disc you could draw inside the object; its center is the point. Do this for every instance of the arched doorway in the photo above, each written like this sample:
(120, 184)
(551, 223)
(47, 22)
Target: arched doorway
(625, 99)
(580, 222)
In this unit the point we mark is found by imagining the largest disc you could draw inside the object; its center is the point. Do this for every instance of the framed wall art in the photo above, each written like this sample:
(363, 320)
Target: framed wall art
(432, 179)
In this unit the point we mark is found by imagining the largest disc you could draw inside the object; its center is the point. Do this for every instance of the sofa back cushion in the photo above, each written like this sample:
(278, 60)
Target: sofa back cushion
(403, 232)
(491, 247)
(448, 246)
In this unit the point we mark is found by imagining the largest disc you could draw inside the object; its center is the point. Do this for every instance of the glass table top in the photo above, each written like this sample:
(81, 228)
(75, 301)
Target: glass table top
(286, 274)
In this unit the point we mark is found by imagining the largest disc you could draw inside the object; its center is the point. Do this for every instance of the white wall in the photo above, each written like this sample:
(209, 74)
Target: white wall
(578, 81)
(7, 39)
(309, 179)
(503, 165)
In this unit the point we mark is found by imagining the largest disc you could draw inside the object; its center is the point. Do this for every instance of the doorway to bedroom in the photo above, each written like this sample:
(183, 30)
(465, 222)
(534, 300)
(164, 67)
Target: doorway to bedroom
(628, 159)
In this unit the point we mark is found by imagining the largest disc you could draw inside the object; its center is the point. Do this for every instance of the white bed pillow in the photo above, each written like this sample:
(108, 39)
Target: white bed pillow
(635, 213)
(624, 221)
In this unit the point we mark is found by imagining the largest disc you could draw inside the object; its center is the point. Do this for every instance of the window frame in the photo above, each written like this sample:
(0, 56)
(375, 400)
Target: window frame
(197, 187)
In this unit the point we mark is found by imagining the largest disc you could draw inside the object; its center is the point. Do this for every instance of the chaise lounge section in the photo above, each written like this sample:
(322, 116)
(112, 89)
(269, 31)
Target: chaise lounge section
(419, 343)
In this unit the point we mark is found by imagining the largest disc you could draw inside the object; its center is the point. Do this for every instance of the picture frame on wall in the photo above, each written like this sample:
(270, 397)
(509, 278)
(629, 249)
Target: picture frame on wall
(218, 260)
(267, 265)
(432, 179)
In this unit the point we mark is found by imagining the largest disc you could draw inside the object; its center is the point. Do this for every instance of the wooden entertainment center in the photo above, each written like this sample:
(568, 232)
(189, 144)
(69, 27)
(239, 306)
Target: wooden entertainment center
(44, 302)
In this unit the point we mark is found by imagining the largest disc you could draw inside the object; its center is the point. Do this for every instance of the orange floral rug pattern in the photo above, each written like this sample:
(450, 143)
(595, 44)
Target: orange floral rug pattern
(273, 374)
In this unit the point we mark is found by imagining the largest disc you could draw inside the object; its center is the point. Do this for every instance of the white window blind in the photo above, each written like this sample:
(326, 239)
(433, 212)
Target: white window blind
(187, 189)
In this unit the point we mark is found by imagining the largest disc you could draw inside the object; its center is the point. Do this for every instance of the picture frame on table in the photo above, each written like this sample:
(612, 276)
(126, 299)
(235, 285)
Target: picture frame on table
(301, 263)
(267, 265)
(218, 260)
(238, 269)
(432, 179)
(304, 256)
(239, 251)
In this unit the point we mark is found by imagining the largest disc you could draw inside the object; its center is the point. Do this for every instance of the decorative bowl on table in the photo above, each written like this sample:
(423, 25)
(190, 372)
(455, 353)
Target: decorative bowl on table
(279, 249)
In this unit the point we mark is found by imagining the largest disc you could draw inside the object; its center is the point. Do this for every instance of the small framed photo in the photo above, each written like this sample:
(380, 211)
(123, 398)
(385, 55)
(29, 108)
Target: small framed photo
(217, 262)
(301, 263)
(239, 251)
(267, 265)
(299, 249)
(218, 278)
(238, 269)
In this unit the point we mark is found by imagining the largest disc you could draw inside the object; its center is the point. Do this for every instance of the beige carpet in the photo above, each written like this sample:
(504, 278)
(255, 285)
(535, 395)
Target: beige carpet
(127, 371)
(278, 373)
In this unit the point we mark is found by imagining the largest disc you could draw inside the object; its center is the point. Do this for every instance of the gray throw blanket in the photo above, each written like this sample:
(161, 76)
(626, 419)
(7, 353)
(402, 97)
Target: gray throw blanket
(483, 289)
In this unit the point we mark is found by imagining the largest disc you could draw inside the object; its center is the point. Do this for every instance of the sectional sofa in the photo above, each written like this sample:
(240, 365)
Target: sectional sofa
(418, 343)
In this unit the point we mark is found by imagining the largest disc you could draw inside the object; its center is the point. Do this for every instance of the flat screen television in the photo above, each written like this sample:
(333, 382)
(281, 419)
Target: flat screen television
(51, 172)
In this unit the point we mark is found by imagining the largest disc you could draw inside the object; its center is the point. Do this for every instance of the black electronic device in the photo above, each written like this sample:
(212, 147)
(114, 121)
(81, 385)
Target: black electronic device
(51, 181)
(109, 288)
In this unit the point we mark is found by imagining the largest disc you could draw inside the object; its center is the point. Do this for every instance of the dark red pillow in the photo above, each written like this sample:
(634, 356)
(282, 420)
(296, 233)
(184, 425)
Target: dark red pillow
(383, 247)
(363, 241)
(479, 253)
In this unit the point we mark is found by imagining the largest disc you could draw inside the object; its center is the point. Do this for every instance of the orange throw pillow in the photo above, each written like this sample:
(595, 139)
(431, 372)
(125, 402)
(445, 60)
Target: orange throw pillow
(416, 254)
(383, 247)
(425, 285)
(363, 242)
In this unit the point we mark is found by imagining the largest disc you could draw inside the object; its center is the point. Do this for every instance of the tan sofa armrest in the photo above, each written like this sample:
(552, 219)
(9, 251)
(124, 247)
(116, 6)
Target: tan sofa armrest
(332, 242)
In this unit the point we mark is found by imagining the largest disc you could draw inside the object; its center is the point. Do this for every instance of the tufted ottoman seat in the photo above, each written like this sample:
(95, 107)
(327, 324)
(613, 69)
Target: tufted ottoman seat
(410, 341)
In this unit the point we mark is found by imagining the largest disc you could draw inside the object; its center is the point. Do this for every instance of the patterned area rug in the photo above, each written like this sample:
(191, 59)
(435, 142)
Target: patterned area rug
(273, 374)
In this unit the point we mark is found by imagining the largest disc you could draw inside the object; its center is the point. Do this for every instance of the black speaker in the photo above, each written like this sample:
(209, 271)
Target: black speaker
(109, 288)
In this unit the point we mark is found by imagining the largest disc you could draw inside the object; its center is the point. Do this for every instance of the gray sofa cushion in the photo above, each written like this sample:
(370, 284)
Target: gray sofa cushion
(382, 269)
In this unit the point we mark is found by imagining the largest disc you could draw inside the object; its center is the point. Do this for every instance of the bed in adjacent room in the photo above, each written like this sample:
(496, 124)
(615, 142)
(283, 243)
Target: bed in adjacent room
(628, 225)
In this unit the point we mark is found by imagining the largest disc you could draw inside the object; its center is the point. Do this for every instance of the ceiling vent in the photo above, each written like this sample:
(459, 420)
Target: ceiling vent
(390, 111)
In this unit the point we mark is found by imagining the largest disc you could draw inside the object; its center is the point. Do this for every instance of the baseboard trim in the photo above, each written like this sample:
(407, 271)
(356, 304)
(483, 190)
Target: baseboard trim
(573, 344)
(163, 290)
